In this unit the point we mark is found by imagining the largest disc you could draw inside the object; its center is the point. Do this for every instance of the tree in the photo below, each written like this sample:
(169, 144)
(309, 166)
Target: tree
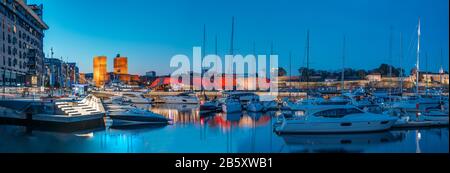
(384, 70)
(361, 74)
(281, 71)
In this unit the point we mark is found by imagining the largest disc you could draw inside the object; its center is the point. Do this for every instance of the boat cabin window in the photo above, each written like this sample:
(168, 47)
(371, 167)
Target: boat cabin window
(337, 113)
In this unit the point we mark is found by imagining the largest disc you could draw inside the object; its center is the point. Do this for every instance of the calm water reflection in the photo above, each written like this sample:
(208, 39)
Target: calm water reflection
(217, 133)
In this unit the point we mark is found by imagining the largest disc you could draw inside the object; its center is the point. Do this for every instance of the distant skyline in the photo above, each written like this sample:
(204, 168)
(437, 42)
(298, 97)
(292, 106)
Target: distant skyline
(150, 32)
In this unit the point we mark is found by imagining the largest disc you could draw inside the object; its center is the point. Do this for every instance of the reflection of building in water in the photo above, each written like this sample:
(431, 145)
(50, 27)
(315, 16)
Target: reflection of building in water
(181, 114)
(190, 114)
(252, 121)
(226, 121)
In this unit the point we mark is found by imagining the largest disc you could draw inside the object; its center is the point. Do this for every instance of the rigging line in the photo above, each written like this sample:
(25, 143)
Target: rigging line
(409, 52)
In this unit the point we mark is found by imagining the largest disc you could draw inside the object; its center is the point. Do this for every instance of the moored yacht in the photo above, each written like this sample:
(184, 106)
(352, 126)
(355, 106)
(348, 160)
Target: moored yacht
(269, 103)
(335, 119)
(231, 106)
(255, 106)
(243, 97)
(210, 106)
(183, 98)
(136, 98)
(435, 115)
(136, 116)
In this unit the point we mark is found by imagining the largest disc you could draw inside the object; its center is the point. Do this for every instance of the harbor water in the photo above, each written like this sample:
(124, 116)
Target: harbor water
(192, 132)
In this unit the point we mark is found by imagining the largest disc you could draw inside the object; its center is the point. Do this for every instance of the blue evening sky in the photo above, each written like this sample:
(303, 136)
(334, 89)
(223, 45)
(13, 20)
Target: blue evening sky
(150, 32)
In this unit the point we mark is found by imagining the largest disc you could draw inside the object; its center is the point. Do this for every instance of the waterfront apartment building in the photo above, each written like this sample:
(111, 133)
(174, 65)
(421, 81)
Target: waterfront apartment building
(82, 79)
(73, 74)
(100, 71)
(54, 75)
(21, 43)
(60, 74)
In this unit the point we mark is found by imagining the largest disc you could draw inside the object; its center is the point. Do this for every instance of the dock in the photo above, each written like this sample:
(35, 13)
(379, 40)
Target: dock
(41, 115)
(421, 124)
(58, 123)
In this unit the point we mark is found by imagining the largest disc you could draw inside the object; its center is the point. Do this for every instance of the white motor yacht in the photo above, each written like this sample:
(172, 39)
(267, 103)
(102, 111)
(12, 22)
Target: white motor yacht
(269, 103)
(255, 106)
(243, 97)
(183, 98)
(136, 98)
(434, 115)
(231, 106)
(136, 116)
(335, 119)
(338, 100)
(210, 106)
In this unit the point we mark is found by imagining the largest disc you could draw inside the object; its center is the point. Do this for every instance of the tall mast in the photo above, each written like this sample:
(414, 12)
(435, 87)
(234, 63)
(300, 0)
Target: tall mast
(401, 61)
(418, 58)
(203, 55)
(426, 72)
(231, 51)
(204, 41)
(441, 70)
(390, 60)
(232, 37)
(215, 52)
(343, 68)
(307, 63)
(290, 73)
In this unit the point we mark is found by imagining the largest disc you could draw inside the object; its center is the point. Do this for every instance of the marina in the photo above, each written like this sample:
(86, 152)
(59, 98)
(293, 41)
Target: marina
(218, 133)
(123, 126)
(253, 86)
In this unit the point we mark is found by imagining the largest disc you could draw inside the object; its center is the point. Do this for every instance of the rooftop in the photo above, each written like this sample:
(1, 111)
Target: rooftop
(32, 13)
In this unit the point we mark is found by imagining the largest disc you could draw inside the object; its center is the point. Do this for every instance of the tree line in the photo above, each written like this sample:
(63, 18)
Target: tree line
(384, 69)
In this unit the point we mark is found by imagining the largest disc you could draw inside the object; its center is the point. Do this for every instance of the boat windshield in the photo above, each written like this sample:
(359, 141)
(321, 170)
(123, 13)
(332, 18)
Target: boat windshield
(337, 113)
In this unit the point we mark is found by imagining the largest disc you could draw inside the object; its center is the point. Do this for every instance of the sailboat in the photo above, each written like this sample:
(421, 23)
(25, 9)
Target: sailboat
(416, 105)
(341, 100)
(335, 119)
(209, 105)
(231, 105)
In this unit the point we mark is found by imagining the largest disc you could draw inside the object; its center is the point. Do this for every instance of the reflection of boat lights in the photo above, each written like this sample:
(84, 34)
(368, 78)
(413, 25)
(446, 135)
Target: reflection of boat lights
(88, 135)
(419, 136)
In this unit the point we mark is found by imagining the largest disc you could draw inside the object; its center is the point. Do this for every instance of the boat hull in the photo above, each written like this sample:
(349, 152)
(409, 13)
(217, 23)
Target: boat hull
(255, 107)
(179, 101)
(231, 108)
(335, 127)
